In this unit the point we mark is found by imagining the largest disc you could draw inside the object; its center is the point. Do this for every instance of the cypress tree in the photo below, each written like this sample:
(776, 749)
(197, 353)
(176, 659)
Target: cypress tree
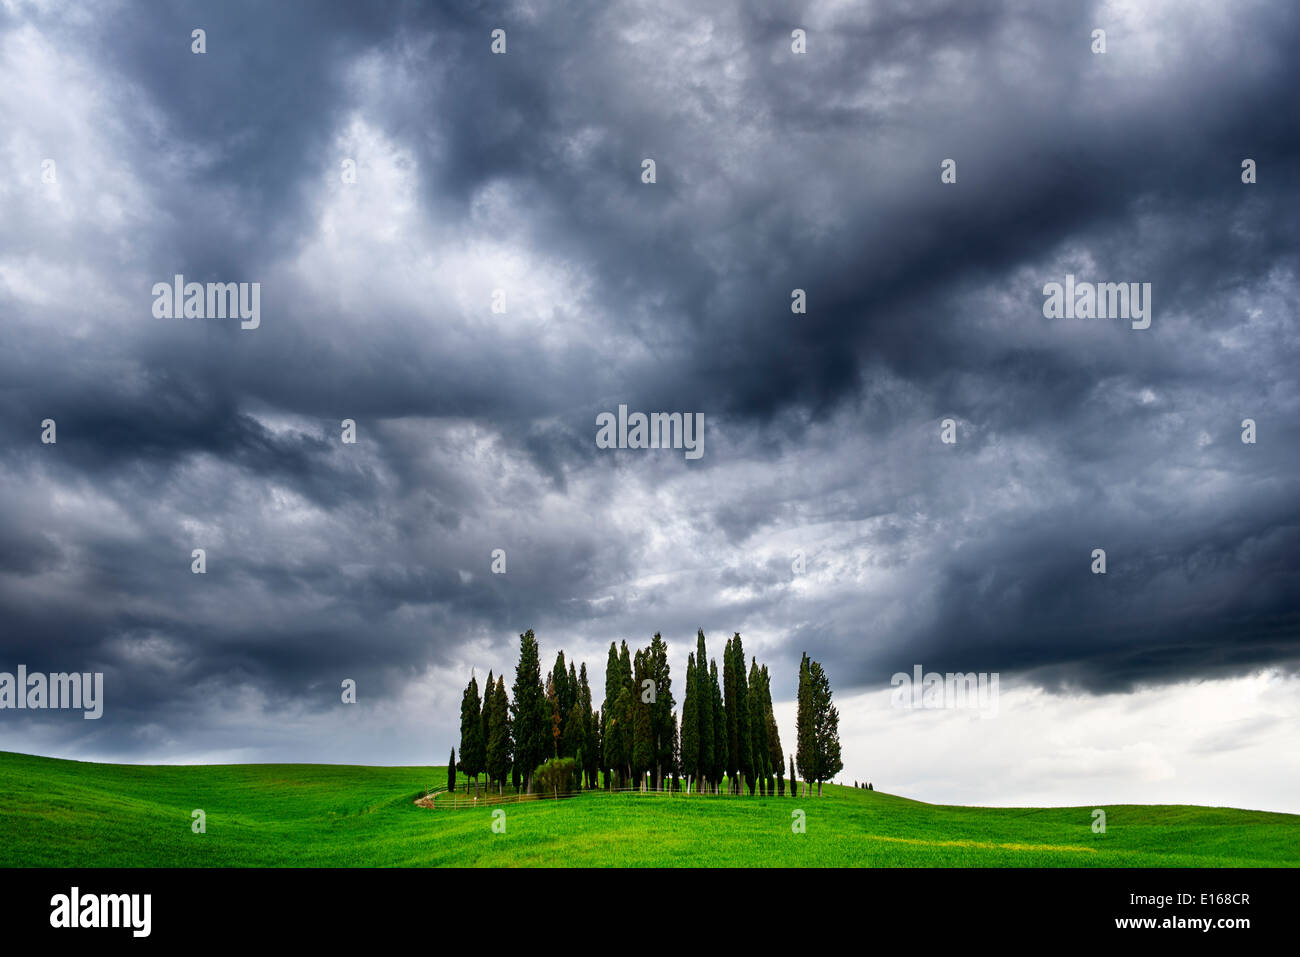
(526, 708)
(616, 717)
(764, 716)
(706, 713)
(554, 721)
(471, 732)
(775, 753)
(826, 723)
(566, 692)
(564, 698)
(573, 692)
(488, 689)
(758, 726)
(794, 780)
(451, 773)
(489, 702)
(690, 727)
(629, 711)
(625, 668)
(720, 758)
(590, 736)
(675, 753)
(499, 745)
(744, 720)
(661, 709)
(571, 745)
(643, 745)
(620, 736)
(602, 763)
(613, 684)
(740, 746)
(729, 706)
(805, 727)
(507, 756)
(560, 676)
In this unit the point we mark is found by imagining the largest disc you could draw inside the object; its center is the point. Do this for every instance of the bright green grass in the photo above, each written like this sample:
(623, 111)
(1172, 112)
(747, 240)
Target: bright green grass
(67, 813)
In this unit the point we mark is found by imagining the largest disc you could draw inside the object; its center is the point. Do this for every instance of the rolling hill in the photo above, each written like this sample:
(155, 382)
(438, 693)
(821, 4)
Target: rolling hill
(67, 813)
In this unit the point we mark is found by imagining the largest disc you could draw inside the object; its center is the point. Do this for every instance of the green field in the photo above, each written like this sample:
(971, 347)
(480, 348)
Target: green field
(68, 813)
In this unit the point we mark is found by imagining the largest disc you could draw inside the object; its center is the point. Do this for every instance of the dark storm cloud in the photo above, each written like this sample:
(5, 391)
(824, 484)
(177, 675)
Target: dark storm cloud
(774, 172)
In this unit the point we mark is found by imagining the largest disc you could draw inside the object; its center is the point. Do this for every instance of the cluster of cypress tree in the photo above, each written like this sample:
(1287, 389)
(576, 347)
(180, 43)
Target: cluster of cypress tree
(638, 728)
(729, 729)
(728, 732)
(486, 741)
(572, 724)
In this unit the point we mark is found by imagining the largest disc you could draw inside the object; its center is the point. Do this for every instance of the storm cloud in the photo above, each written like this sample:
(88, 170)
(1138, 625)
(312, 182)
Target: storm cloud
(522, 172)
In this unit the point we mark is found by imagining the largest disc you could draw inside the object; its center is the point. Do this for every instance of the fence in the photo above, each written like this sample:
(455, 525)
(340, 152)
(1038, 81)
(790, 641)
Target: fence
(442, 799)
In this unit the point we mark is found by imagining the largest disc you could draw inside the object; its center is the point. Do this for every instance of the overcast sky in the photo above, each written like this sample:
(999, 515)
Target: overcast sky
(1171, 678)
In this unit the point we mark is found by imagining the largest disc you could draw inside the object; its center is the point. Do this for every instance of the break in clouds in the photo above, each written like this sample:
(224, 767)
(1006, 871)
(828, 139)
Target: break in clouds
(459, 253)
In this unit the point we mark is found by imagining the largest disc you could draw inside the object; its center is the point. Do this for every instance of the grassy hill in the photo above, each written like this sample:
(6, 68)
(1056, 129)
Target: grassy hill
(68, 813)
